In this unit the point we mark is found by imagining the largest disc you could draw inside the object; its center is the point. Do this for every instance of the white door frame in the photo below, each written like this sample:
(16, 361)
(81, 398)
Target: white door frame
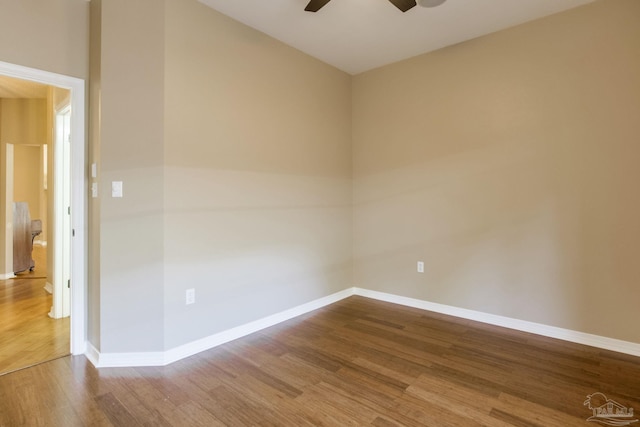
(6, 272)
(62, 195)
(76, 86)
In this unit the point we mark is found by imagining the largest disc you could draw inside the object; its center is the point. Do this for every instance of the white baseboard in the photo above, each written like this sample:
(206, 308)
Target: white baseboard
(249, 328)
(93, 355)
(507, 322)
(48, 287)
(122, 360)
(7, 276)
(105, 360)
(42, 243)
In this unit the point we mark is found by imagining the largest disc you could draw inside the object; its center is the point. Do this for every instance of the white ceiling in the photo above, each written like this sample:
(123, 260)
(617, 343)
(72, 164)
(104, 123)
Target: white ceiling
(359, 35)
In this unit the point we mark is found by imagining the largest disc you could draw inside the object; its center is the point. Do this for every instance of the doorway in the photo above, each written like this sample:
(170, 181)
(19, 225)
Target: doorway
(67, 225)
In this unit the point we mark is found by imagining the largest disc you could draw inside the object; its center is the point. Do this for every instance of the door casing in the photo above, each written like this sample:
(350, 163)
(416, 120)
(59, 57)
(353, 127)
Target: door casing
(78, 170)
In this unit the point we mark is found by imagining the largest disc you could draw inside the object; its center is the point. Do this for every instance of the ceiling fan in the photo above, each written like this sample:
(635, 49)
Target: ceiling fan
(403, 5)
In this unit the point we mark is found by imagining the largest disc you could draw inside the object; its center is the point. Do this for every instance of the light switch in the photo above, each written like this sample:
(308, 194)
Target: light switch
(94, 170)
(94, 189)
(116, 188)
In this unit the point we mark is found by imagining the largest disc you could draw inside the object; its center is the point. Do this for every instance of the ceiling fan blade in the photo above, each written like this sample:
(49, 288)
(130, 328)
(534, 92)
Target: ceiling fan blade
(403, 5)
(316, 5)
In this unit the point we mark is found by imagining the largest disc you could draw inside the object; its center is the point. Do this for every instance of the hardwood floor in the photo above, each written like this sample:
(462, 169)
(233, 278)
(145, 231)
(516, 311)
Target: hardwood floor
(358, 362)
(27, 334)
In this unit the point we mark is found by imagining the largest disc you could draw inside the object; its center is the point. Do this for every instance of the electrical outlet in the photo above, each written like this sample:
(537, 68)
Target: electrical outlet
(190, 296)
(420, 267)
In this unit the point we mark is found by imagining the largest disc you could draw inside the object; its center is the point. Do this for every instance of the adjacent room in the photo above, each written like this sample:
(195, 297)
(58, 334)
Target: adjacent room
(363, 213)
(32, 329)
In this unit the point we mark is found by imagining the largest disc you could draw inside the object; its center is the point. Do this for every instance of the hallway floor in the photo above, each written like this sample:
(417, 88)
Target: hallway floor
(27, 334)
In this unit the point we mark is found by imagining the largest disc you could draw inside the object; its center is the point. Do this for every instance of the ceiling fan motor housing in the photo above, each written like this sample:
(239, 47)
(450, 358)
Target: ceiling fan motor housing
(403, 5)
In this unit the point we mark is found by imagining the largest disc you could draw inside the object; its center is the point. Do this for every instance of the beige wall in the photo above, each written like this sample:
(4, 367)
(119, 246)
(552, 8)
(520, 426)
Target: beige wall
(257, 178)
(23, 121)
(234, 151)
(49, 35)
(23, 124)
(130, 140)
(509, 165)
(27, 183)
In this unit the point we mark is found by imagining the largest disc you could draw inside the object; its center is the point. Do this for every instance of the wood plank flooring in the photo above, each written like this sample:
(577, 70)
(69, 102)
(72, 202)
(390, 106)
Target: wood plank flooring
(358, 362)
(27, 334)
